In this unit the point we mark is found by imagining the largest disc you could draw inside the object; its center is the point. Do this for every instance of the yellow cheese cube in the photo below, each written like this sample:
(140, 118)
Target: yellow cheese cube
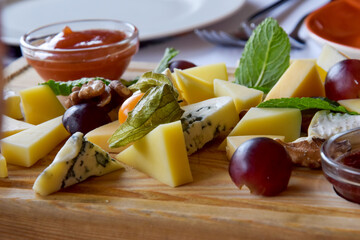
(301, 79)
(209, 72)
(233, 142)
(3, 167)
(193, 89)
(101, 135)
(327, 58)
(161, 154)
(27, 147)
(352, 105)
(269, 121)
(40, 104)
(11, 126)
(12, 105)
(244, 98)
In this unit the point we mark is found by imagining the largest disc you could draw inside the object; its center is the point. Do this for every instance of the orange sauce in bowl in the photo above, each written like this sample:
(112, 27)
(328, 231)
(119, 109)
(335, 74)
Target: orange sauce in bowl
(71, 55)
(337, 21)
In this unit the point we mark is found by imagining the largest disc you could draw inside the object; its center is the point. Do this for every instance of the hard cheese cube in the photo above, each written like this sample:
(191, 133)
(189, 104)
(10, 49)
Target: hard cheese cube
(3, 167)
(11, 126)
(244, 98)
(161, 154)
(28, 146)
(269, 121)
(301, 79)
(233, 142)
(352, 105)
(40, 104)
(327, 58)
(209, 72)
(12, 105)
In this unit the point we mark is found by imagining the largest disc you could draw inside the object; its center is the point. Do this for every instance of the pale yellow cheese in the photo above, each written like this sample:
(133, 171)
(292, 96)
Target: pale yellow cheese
(193, 89)
(233, 142)
(209, 72)
(27, 147)
(352, 105)
(269, 121)
(328, 57)
(12, 105)
(11, 126)
(161, 154)
(101, 135)
(40, 104)
(301, 79)
(3, 167)
(243, 97)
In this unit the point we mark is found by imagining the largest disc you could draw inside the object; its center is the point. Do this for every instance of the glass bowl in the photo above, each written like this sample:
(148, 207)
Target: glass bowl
(63, 64)
(340, 160)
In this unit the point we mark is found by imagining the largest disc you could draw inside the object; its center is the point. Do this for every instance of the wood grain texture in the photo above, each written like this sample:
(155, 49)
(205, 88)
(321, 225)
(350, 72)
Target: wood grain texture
(129, 205)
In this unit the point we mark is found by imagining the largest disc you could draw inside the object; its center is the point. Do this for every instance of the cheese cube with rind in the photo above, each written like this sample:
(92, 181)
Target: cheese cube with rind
(3, 167)
(161, 154)
(269, 121)
(244, 97)
(328, 57)
(40, 104)
(206, 120)
(27, 147)
(233, 142)
(11, 126)
(76, 161)
(301, 79)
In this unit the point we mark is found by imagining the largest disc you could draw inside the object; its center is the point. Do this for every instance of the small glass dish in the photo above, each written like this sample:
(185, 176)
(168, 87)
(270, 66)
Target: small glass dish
(63, 64)
(340, 159)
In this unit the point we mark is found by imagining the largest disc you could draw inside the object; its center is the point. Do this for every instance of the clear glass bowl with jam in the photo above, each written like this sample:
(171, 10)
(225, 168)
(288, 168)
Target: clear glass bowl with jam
(340, 159)
(81, 48)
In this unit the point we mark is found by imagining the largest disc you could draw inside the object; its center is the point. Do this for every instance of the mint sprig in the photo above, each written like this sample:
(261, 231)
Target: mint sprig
(265, 58)
(169, 54)
(305, 103)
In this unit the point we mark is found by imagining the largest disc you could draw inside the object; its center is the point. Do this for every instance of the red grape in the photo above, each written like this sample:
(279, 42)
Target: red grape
(263, 165)
(180, 64)
(343, 80)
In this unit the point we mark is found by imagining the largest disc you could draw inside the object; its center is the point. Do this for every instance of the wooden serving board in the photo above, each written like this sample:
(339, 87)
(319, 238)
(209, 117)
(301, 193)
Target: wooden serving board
(129, 205)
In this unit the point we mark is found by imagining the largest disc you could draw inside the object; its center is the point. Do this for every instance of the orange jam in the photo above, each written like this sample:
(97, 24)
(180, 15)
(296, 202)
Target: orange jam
(71, 55)
(338, 21)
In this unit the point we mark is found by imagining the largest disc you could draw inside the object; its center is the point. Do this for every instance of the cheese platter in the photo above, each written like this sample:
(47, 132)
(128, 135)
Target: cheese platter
(127, 204)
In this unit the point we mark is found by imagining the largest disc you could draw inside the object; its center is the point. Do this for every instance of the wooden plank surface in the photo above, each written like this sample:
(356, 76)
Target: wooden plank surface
(129, 205)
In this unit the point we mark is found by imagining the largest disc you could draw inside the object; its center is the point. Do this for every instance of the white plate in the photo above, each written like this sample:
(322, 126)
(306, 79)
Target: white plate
(154, 18)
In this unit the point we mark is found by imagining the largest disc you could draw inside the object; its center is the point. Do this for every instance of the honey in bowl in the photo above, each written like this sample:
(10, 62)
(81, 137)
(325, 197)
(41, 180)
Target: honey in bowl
(97, 48)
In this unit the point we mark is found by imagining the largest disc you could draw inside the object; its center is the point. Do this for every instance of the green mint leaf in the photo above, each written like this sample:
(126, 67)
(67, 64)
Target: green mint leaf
(169, 54)
(64, 88)
(157, 106)
(305, 103)
(265, 58)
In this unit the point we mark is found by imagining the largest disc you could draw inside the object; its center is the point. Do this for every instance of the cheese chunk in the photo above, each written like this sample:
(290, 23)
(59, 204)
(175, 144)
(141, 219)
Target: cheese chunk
(352, 105)
(11, 126)
(76, 161)
(193, 89)
(3, 167)
(301, 79)
(244, 98)
(269, 121)
(233, 142)
(27, 147)
(40, 104)
(328, 57)
(12, 105)
(101, 135)
(209, 72)
(206, 120)
(325, 124)
(161, 154)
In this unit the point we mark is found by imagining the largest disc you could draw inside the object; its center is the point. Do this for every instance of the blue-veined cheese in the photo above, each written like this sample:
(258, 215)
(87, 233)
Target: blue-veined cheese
(204, 121)
(77, 160)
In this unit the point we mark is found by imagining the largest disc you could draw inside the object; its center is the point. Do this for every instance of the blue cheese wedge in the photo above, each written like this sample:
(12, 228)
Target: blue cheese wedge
(206, 120)
(77, 160)
(325, 124)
